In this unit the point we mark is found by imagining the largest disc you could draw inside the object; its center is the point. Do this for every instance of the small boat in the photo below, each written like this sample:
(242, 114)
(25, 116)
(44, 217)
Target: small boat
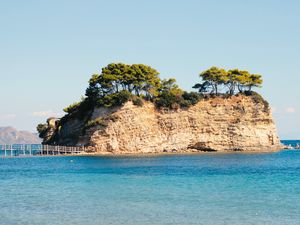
(289, 147)
(297, 146)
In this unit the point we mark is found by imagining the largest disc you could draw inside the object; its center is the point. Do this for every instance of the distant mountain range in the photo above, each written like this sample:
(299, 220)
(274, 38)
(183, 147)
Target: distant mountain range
(10, 135)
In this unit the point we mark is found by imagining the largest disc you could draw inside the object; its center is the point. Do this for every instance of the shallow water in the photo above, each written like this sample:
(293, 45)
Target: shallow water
(191, 189)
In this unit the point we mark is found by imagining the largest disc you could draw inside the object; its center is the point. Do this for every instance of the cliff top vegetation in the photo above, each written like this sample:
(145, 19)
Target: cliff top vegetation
(117, 83)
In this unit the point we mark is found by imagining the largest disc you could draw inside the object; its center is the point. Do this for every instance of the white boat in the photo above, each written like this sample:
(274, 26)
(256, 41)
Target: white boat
(297, 146)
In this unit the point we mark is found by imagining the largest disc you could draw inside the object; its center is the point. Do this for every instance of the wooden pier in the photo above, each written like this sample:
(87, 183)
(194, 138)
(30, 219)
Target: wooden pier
(39, 150)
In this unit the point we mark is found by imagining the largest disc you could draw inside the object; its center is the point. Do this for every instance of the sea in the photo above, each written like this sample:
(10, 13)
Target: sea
(235, 188)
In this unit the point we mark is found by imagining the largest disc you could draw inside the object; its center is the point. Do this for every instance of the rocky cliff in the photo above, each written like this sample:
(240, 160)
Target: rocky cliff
(238, 123)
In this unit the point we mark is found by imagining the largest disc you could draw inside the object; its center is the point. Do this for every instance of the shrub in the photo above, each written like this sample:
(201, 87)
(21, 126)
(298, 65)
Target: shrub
(122, 97)
(99, 121)
(115, 99)
(257, 98)
(137, 101)
(79, 109)
(105, 101)
(172, 101)
(42, 129)
(168, 100)
(72, 108)
(192, 97)
(184, 103)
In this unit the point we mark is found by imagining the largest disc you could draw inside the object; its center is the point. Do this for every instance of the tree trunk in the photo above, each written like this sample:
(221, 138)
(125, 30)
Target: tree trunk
(216, 88)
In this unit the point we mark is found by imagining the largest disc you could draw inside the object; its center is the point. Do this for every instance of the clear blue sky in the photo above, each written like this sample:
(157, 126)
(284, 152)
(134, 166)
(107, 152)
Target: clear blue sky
(49, 49)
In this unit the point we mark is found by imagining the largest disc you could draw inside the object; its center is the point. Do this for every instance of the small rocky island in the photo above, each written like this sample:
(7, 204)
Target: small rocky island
(128, 109)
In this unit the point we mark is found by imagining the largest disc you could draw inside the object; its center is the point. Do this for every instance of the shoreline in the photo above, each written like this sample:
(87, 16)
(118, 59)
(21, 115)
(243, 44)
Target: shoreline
(152, 154)
(187, 152)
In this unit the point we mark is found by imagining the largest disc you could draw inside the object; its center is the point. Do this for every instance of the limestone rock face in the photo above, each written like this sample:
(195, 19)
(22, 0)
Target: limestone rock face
(234, 124)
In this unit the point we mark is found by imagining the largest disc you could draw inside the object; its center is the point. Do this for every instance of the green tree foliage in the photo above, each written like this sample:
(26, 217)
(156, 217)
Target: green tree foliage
(203, 87)
(114, 99)
(244, 80)
(94, 91)
(72, 108)
(169, 85)
(169, 94)
(254, 81)
(137, 79)
(42, 129)
(167, 100)
(192, 97)
(138, 101)
(215, 78)
(172, 97)
(118, 82)
(233, 81)
(171, 101)
(145, 79)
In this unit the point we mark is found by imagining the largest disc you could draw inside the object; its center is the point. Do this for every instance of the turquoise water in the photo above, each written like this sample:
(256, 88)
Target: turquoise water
(192, 189)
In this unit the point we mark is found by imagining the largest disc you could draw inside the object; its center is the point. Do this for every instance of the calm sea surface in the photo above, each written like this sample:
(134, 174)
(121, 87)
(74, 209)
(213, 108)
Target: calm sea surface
(191, 189)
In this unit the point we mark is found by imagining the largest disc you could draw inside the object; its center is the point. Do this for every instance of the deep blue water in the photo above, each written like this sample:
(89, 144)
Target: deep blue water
(179, 189)
(293, 143)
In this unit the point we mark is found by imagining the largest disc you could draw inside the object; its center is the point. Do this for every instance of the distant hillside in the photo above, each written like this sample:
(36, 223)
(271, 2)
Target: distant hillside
(10, 135)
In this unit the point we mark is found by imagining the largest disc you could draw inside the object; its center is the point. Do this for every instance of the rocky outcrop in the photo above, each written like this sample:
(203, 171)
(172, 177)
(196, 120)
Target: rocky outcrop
(49, 132)
(235, 124)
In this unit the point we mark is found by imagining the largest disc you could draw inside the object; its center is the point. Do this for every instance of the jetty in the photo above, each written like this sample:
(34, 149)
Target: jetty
(27, 150)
